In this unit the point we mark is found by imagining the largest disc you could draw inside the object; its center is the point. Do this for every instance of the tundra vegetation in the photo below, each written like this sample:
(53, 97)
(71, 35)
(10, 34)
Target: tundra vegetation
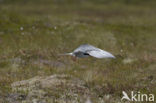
(34, 32)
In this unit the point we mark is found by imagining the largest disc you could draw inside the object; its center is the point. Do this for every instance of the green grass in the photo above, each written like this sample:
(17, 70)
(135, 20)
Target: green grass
(32, 31)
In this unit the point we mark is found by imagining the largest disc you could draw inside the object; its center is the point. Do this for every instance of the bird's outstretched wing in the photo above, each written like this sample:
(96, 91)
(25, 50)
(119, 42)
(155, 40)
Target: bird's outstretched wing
(84, 48)
(94, 51)
(100, 54)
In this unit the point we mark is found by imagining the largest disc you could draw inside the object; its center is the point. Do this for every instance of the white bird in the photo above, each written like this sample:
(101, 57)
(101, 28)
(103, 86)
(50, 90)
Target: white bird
(87, 50)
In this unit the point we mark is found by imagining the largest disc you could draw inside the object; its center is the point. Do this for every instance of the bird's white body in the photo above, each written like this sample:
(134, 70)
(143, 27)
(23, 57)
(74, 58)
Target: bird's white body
(87, 50)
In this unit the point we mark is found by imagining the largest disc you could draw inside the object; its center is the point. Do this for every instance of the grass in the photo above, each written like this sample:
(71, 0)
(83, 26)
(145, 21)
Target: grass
(32, 31)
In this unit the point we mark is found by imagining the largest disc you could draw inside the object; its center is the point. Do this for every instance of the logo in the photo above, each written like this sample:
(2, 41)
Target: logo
(137, 97)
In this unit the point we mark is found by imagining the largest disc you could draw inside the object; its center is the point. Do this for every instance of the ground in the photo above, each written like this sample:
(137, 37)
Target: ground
(33, 34)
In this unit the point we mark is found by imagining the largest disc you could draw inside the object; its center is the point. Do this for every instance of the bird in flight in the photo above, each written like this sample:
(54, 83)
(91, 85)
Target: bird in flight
(87, 50)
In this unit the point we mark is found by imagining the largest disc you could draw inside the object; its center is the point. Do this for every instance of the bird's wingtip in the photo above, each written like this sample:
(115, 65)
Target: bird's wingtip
(113, 57)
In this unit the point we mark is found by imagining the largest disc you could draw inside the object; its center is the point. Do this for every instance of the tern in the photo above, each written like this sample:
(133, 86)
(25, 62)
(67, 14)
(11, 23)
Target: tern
(86, 50)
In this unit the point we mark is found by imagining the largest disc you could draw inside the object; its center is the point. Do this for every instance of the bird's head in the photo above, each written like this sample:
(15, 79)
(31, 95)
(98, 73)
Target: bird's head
(71, 54)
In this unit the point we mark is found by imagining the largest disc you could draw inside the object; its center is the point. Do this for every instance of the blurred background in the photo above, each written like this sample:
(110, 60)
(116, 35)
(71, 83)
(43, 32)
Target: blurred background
(34, 32)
